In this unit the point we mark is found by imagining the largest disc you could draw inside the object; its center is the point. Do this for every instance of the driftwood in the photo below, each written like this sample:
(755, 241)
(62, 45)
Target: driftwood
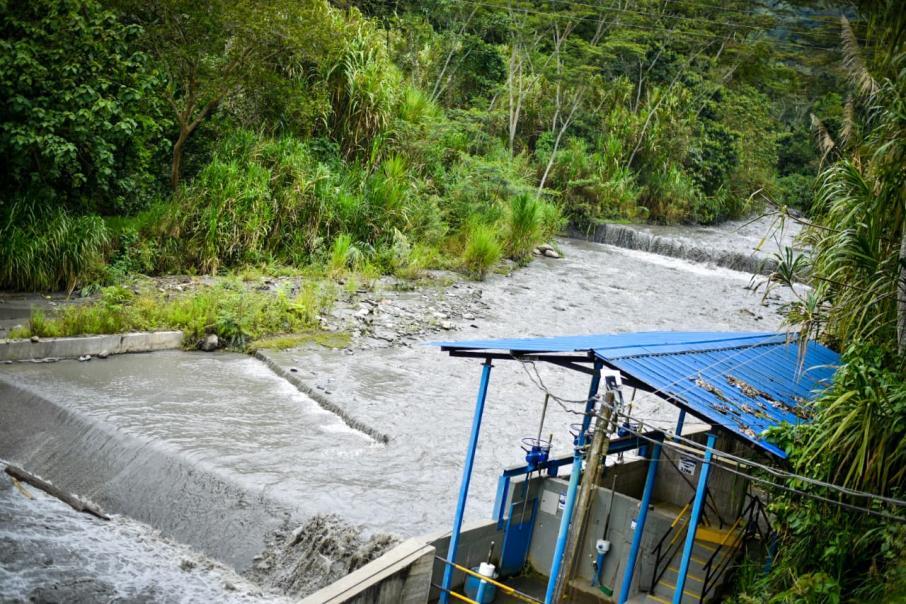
(71, 500)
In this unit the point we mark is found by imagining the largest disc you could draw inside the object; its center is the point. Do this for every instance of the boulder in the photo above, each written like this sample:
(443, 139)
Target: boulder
(210, 343)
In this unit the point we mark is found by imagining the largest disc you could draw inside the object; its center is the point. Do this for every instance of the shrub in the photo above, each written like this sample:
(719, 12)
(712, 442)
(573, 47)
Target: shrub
(44, 248)
(524, 226)
(343, 255)
(80, 122)
(594, 186)
(482, 250)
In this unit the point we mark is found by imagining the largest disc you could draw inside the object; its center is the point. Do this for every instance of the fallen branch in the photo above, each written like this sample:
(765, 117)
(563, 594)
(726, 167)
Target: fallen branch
(71, 500)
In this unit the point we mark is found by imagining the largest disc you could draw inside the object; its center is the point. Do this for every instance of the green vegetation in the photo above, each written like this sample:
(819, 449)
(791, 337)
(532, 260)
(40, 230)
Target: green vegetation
(175, 136)
(482, 250)
(234, 313)
(858, 304)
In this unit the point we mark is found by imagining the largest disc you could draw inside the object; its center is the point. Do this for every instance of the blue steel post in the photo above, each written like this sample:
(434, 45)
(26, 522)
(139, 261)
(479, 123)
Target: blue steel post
(466, 477)
(573, 486)
(640, 524)
(693, 521)
(679, 424)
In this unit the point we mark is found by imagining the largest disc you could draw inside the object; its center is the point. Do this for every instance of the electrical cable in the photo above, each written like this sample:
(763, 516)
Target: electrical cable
(721, 454)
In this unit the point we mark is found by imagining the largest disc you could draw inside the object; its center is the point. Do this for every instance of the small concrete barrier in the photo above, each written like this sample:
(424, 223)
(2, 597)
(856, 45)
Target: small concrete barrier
(72, 348)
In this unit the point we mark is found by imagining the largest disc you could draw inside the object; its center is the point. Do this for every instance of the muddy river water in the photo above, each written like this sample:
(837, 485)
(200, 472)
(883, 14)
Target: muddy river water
(214, 450)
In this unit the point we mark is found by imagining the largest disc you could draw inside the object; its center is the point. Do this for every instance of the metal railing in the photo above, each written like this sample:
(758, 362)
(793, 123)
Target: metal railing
(501, 586)
(753, 513)
(664, 554)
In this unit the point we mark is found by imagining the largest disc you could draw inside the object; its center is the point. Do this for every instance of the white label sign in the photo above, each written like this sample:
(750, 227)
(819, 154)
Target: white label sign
(687, 466)
(562, 503)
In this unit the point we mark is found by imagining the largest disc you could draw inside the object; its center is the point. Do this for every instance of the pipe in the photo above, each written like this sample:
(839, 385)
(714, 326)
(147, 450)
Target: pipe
(640, 524)
(693, 521)
(573, 486)
(466, 478)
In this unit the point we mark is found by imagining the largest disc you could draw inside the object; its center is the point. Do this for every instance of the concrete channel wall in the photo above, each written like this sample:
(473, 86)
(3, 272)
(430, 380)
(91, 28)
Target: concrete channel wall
(70, 348)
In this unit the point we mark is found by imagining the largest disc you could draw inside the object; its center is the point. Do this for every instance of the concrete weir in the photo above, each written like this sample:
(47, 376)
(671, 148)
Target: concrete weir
(135, 476)
(643, 240)
(71, 348)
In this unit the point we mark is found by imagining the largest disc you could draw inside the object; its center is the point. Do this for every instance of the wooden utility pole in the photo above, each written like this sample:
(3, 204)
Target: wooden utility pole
(594, 463)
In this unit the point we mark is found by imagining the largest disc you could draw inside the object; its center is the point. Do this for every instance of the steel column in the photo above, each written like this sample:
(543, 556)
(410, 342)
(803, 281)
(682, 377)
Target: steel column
(640, 524)
(679, 424)
(573, 486)
(466, 478)
(697, 505)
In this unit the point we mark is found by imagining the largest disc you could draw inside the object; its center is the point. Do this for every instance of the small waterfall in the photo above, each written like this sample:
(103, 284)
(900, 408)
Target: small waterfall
(135, 477)
(627, 237)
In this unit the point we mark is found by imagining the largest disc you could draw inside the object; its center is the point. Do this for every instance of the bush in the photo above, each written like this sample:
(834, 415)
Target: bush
(528, 222)
(482, 250)
(796, 191)
(44, 248)
(80, 121)
(344, 255)
(594, 186)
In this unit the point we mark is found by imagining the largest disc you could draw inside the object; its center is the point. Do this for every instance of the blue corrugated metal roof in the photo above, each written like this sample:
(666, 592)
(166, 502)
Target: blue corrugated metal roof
(744, 382)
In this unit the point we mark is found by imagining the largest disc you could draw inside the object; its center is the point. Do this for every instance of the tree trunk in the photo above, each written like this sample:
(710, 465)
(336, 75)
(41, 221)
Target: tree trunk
(901, 297)
(176, 169)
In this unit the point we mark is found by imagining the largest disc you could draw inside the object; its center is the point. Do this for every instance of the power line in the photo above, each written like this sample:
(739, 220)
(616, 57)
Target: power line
(715, 461)
(721, 454)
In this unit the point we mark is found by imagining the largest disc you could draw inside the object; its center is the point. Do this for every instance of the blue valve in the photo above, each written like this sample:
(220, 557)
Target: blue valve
(537, 452)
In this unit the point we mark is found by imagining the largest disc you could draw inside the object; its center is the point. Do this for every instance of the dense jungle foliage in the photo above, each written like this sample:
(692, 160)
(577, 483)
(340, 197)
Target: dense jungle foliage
(168, 135)
(857, 304)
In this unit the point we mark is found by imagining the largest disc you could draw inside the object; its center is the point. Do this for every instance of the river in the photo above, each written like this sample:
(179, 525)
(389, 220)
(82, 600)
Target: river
(215, 450)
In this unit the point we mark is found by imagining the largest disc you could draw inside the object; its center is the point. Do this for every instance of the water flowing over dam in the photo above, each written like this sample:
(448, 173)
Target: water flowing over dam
(217, 451)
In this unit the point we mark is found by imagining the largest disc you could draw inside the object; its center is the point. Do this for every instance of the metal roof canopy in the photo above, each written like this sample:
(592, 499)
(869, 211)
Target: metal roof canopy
(744, 382)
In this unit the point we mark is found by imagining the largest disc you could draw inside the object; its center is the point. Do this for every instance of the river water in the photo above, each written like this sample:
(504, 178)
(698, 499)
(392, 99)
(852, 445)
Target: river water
(226, 450)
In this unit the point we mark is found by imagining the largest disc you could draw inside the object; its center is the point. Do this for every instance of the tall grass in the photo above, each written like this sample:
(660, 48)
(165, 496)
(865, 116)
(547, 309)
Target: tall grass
(528, 221)
(45, 248)
(482, 250)
(236, 314)
(344, 255)
(524, 226)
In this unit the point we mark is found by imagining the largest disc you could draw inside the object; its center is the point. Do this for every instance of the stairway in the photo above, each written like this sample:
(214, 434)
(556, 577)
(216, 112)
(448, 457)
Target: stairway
(707, 541)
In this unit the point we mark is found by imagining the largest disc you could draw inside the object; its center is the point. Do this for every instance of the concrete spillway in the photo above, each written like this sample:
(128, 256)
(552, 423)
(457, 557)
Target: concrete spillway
(203, 448)
(749, 246)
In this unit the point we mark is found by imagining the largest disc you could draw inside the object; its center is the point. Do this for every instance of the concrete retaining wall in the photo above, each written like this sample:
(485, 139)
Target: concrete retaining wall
(321, 399)
(69, 348)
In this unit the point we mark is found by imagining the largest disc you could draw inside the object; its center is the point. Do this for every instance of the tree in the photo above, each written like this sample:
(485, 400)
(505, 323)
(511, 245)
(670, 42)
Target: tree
(79, 122)
(209, 50)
